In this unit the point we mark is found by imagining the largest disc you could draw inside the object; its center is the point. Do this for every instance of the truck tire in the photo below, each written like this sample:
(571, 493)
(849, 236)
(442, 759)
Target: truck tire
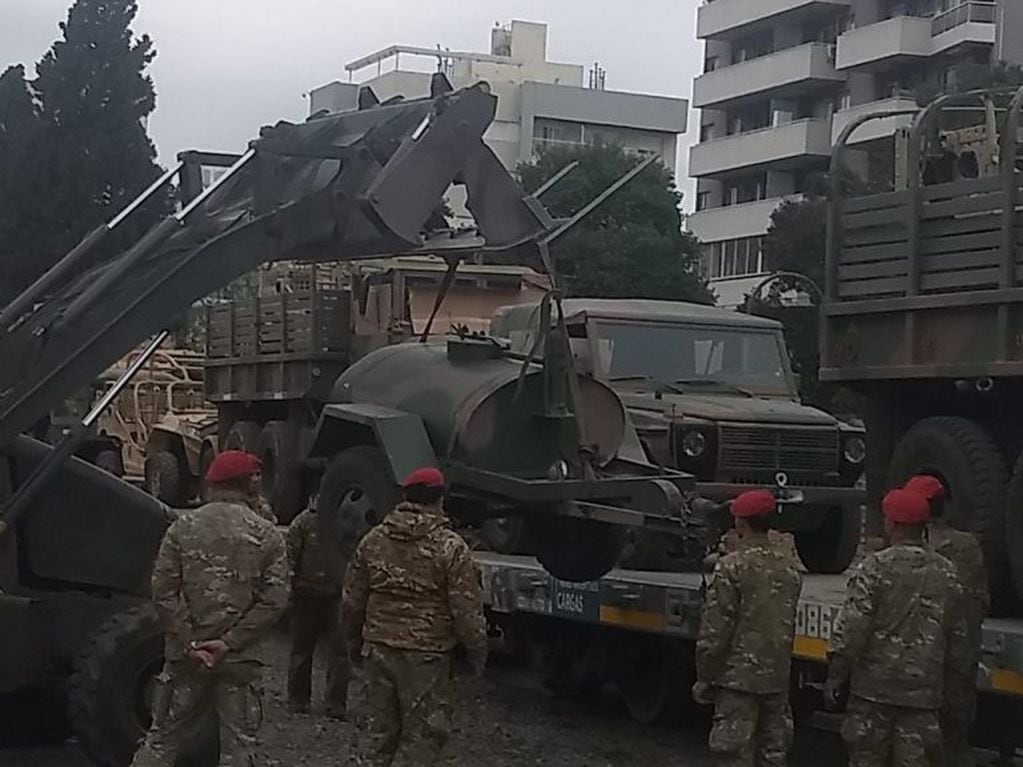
(831, 547)
(282, 473)
(964, 456)
(244, 435)
(1014, 528)
(653, 680)
(109, 696)
(575, 550)
(356, 491)
(164, 479)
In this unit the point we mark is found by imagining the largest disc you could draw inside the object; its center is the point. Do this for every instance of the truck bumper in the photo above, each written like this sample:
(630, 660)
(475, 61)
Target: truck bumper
(829, 497)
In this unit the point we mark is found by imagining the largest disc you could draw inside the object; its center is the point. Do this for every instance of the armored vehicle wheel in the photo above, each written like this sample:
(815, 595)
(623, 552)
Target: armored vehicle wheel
(575, 549)
(355, 493)
(653, 680)
(164, 479)
(282, 474)
(111, 690)
(1014, 526)
(505, 535)
(831, 547)
(965, 457)
(244, 435)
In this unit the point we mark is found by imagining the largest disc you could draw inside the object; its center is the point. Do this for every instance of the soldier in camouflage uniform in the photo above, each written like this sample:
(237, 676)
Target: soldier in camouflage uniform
(220, 582)
(744, 650)
(314, 615)
(899, 637)
(412, 594)
(963, 550)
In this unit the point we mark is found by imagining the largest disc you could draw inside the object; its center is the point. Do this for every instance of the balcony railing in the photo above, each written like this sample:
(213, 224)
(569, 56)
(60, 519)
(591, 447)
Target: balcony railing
(977, 13)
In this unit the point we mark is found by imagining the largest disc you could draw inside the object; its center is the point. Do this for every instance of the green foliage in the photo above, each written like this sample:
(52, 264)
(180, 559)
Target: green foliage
(18, 116)
(88, 153)
(632, 246)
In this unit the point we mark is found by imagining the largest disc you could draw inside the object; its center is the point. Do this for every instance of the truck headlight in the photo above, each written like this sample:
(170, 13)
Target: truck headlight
(855, 450)
(693, 444)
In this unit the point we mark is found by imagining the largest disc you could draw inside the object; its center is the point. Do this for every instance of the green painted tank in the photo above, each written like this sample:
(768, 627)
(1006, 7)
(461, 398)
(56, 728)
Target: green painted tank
(465, 392)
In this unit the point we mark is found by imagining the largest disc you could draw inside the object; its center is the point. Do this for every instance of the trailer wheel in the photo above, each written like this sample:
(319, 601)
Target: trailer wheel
(964, 456)
(653, 681)
(244, 435)
(164, 480)
(575, 549)
(356, 491)
(282, 474)
(1014, 526)
(831, 546)
(110, 694)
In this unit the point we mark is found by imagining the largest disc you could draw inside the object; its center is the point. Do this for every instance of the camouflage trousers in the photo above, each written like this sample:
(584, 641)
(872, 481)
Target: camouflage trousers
(957, 717)
(751, 729)
(407, 707)
(188, 695)
(313, 618)
(880, 735)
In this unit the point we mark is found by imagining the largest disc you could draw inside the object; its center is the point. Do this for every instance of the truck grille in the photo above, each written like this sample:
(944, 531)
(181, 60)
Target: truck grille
(778, 449)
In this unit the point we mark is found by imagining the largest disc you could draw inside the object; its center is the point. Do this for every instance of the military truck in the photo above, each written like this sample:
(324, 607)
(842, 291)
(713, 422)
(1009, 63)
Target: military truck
(271, 361)
(711, 393)
(923, 314)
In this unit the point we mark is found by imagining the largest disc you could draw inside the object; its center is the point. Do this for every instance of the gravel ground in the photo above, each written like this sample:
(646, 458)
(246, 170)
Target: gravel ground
(505, 720)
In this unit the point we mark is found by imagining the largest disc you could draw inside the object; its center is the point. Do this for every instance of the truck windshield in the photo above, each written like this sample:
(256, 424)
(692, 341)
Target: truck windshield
(695, 354)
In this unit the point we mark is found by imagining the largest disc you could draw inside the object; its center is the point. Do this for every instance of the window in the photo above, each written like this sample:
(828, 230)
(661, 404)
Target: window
(752, 47)
(735, 258)
(710, 64)
(557, 131)
(702, 200)
(746, 189)
(707, 132)
(750, 118)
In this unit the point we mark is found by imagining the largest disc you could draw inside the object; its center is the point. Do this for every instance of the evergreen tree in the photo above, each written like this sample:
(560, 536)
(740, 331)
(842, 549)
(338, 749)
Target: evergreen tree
(633, 245)
(90, 154)
(18, 123)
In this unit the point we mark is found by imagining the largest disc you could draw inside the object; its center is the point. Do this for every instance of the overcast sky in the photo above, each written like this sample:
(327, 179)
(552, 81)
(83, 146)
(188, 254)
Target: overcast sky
(226, 67)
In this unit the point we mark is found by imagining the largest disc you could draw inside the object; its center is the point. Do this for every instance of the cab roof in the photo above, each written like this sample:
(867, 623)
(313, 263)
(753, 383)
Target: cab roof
(581, 309)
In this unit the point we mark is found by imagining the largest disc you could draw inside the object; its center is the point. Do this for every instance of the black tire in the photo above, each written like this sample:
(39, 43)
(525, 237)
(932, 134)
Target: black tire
(110, 461)
(505, 535)
(164, 478)
(244, 435)
(1014, 528)
(574, 549)
(964, 456)
(356, 491)
(831, 547)
(282, 473)
(653, 680)
(109, 696)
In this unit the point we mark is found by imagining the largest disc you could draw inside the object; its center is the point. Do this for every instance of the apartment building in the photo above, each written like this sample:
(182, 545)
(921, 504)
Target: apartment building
(540, 102)
(782, 78)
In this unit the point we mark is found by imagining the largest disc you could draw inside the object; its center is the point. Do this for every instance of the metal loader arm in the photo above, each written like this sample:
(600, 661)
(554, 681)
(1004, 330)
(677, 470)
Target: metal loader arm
(355, 185)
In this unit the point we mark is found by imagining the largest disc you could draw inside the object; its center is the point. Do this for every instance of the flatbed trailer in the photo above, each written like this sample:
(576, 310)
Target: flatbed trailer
(662, 611)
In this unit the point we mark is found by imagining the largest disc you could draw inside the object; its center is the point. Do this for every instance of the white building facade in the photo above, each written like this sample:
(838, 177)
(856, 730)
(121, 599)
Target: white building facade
(782, 78)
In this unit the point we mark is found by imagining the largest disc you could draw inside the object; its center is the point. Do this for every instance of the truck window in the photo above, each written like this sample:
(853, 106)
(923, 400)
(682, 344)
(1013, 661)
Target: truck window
(750, 359)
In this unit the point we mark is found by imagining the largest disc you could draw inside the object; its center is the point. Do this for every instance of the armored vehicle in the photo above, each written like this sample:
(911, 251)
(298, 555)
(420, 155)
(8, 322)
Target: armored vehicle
(923, 314)
(711, 393)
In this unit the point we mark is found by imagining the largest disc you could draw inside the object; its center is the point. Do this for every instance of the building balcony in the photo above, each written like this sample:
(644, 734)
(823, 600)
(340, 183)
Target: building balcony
(762, 149)
(886, 42)
(725, 18)
(966, 24)
(786, 72)
(749, 219)
(875, 129)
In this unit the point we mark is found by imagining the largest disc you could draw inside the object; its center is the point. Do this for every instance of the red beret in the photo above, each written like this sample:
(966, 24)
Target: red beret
(428, 476)
(905, 507)
(232, 464)
(927, 486)
(753, 503)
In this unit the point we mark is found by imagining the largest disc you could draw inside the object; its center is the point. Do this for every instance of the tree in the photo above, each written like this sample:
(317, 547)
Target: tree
(633, 245)
(18, 122)
(89, 154)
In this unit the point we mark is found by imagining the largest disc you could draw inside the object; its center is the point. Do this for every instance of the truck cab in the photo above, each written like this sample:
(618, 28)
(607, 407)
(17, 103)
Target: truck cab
(711, 393)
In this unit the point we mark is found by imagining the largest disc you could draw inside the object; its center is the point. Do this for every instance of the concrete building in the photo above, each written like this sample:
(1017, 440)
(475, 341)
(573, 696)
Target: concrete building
(540, 102)
(783, 77)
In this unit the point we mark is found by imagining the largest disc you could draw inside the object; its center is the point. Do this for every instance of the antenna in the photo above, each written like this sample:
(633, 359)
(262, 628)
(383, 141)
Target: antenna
(598, 77)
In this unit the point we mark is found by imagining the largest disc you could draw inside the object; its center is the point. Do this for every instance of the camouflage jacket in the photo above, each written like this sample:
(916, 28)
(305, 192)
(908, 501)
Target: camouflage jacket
(221, 574)
(306, 557)
(412, 584)
(900, 631)
(749, 620)
(963, 550)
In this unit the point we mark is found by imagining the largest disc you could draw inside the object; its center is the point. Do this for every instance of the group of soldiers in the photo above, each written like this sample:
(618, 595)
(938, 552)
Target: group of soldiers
(905, 648)
(225, 575)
